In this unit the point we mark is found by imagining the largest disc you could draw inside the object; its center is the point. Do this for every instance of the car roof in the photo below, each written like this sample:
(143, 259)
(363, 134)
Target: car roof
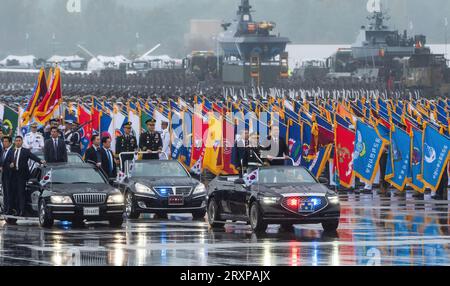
(69, 166)
(281, 167)
(158, 162)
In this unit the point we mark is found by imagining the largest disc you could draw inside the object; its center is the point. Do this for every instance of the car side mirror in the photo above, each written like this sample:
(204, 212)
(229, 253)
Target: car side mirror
(112, 181)
(239, 181)
(323, 180)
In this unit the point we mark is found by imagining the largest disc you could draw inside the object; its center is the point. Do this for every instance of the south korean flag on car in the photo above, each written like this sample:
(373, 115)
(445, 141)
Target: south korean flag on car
(197, 168)
(132, 165)
(251, 178)
(120, 177)
(47, 178)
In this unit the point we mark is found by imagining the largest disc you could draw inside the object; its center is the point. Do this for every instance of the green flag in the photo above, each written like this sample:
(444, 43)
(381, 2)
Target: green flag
(10, 121)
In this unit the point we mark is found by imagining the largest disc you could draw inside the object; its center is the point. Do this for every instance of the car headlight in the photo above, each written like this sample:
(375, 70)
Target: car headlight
(269, 200)
(115, 199)
(61, 200)
(140, 188)
(333, 199)
(199, 190)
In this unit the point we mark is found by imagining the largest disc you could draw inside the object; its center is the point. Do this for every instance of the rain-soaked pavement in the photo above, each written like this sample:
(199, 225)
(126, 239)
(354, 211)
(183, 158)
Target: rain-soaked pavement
(373, 230)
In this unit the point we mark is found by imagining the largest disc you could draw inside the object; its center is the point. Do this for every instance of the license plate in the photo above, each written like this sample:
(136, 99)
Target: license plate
(91, 211)
(306, 207)
(176, 200)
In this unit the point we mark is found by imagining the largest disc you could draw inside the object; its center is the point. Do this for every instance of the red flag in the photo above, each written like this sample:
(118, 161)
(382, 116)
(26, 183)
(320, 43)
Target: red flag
(199, 136)
(40, 90)
(95, 117)
(51, 100)
(228, 144)
(343, 155)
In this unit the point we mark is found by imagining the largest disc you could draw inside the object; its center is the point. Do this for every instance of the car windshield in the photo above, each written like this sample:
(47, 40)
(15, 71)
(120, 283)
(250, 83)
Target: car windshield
(74, 158)
(76, 176)
(285, 176)
(162, 169)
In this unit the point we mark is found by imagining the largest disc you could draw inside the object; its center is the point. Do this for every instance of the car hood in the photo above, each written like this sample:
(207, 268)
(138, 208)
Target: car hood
(81, 188)
(165, 182)
(291, 189)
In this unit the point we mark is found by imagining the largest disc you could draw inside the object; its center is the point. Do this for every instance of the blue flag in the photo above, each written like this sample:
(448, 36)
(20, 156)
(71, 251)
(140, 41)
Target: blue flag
(398, 168)
(416, 161)
(295, 140)
(369, 147)
(317, 166)
(435, 155)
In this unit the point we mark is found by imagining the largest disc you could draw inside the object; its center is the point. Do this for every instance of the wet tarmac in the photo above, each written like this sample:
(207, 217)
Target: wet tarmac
(373, 230)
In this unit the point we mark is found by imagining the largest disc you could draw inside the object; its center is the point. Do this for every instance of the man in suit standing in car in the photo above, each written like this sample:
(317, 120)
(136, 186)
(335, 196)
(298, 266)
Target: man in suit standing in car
(55, 150)
(20, 174)
(109, 164)
(93, 154)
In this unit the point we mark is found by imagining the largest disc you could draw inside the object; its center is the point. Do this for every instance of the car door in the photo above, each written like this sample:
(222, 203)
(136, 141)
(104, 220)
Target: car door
(238, 199)
(34, 188)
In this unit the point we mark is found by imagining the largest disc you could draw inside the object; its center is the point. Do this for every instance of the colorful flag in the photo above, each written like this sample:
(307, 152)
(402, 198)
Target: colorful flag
(317, 165)
(51, 101)
(369, 147)
(398, 168)
(39, 92)
(84, 116)
(295, 140)
(10, 120)
(343, 159)
(212, 159)
(251, 178)
(435, 156)
(416, 161)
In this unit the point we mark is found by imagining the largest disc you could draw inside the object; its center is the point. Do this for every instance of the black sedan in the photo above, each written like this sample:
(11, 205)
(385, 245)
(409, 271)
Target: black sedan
(162, 187)
(72, 192)
(279, 195)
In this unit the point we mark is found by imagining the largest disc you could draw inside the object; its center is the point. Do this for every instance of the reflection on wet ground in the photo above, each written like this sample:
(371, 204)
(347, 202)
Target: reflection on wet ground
(373, 230)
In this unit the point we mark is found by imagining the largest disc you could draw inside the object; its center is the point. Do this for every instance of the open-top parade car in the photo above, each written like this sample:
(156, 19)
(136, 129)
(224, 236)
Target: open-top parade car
(284, 195)
(161, 187)
(71, 192)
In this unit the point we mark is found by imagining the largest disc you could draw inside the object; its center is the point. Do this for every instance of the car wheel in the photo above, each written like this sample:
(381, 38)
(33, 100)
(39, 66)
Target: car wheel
(256, 219)
(287, 227)
(116, 222)
(199, 215)
(330, 226)
(45, 219)
(160, 215)
(130, 208)
(213, 214)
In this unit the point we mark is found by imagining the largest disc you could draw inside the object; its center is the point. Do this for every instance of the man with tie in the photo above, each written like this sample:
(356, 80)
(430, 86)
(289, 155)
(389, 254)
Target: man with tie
(109, 164)
(277, 148)
(20, 174)
(55, 150)
(93, 154)
(6, 159)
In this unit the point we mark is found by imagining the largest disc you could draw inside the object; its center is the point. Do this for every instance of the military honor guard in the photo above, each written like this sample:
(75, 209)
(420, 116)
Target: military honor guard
(33, 140)
(150, 141)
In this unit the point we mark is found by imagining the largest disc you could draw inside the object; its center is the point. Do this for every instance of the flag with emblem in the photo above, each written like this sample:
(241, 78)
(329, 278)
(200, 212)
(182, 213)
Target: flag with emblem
(47, 178)
(398, 168)
(416, 161)
(251, 178)
(435, 156)
(343, 155)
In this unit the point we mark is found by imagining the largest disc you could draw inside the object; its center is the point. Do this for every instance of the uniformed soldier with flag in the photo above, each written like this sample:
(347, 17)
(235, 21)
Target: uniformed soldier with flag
(126, 143)
(150, 141)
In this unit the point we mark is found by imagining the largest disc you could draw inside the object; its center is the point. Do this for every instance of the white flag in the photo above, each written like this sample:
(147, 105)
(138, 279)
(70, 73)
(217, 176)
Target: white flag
(47, 178)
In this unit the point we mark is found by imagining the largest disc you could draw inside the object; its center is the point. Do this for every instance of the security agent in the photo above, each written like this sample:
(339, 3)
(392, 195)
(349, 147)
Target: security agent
(20, 174)
(6, 159)
(150, 141)
(33, 140)
(126, 143)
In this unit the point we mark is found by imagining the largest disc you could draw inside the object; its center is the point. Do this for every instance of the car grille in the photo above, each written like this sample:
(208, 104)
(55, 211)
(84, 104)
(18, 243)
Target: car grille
(166, 191)
(321, 202)
(89, 199)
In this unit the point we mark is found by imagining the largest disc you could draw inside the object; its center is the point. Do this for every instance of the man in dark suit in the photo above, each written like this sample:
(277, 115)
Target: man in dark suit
(109, 164)
(277, 148)
(93, 154)
(55, 150)
(6, 159)
(20, 174)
